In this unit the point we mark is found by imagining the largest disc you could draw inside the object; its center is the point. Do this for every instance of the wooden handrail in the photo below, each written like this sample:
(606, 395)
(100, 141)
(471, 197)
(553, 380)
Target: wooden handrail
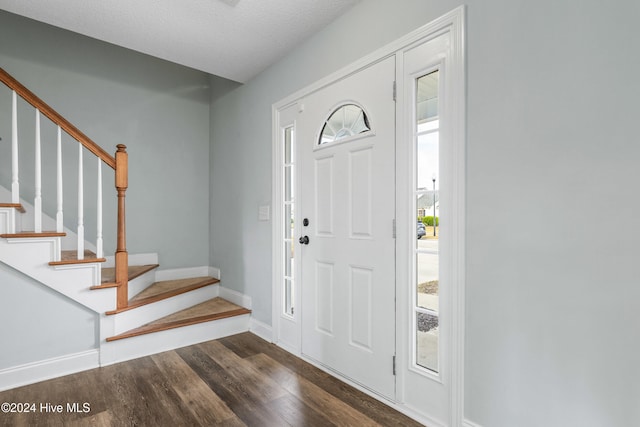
(56, 118)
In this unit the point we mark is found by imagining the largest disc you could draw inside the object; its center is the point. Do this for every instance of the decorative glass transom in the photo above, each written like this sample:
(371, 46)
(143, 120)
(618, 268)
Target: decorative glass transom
(348, 120)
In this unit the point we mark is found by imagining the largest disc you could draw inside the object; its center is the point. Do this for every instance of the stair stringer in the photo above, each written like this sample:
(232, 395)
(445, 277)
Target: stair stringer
(140, 283)
(31, 256)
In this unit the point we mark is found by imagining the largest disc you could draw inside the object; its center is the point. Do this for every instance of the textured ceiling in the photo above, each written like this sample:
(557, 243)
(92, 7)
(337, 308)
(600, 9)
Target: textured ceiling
(234, 39)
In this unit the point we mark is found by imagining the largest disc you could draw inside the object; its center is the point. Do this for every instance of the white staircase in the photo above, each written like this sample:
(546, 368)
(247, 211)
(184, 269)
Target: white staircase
(177, 291)
(141, 310)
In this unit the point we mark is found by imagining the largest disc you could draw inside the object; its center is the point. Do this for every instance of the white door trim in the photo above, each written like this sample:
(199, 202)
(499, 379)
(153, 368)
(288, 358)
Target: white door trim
(454, 24)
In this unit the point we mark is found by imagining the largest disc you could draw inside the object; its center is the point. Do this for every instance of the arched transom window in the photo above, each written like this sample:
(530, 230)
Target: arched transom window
(346, 121)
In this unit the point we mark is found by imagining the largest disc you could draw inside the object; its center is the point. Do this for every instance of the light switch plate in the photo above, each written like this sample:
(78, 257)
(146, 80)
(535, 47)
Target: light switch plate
(264, 213)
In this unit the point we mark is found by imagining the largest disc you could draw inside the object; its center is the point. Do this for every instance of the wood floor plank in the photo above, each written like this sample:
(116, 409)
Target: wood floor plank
(317, 398)
(203, 403)
(297, 413)
(160, 402)
(263, 388)
(231, 422)
(343, 392)
(235, 395)
(238, 386)
(260, 415)
(233, 382)
(59, 391)
(236, 346)
(123, 394)
(101, 419)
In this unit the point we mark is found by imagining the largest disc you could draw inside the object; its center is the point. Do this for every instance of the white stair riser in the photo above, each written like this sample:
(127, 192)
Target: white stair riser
(147, 313)
(30, 251)
(31, 256)
(157, 342)
(7, 220)
(98, 300)
(140, 283)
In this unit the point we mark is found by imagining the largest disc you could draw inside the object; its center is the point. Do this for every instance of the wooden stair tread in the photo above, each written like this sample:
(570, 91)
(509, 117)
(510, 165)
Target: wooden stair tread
(104, 286)
(16, 206)
(164, 286)
(213, 309)
(33, 234)
(71, 257)
(165, 289)
(109, 273)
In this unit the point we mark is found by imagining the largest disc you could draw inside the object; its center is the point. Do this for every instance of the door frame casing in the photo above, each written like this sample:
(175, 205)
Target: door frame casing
(443, 51)
(454, 24)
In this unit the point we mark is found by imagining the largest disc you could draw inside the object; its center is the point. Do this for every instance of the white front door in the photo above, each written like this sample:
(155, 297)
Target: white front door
(346, 178)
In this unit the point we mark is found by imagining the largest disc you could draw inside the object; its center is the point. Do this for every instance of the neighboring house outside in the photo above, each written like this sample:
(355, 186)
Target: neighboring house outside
(425, 205)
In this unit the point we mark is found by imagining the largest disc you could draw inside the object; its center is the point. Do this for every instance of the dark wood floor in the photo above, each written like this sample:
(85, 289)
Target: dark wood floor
(236, 381)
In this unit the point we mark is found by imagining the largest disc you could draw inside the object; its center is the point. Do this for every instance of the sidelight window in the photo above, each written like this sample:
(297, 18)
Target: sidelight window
(289, 212)
(427, 207)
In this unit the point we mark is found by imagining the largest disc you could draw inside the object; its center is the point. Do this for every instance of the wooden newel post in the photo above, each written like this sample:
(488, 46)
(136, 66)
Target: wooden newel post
(122, 257)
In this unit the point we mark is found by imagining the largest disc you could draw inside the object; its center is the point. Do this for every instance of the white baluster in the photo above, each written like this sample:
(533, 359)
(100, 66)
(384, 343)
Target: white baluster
(37, 204)
(59, 214)
(15, 184)
(80, 206)
(99, 250)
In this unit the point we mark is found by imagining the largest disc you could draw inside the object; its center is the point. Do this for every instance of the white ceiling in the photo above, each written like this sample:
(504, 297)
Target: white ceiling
(234, 39)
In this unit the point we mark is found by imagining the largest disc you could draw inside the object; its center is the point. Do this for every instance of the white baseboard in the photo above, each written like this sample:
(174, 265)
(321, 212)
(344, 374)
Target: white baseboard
(235, 297)
(260, 329)
(467, 423)
(214, 272)
(418, 415)
(289, 348)
(47, 369)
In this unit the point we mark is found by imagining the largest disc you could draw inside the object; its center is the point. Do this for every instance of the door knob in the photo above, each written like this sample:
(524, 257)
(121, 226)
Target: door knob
(304, 240)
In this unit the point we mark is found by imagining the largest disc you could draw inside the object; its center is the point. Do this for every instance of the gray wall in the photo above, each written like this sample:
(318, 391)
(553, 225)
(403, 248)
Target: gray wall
(552, 220)
(552, 285)
(38, 323)
(158, 109)
(552, 288)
